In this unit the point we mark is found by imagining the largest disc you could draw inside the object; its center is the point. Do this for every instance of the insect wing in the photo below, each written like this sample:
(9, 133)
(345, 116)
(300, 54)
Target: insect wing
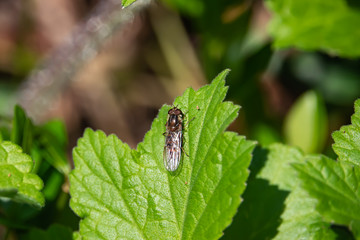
(172, 150)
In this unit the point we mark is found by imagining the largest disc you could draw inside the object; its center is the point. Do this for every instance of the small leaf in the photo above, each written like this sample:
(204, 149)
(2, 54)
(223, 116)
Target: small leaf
(331, 26)
(51, 138)
(53, 185)
(335, 186)
(125, 193)
(16, 181)
(47, 141)
(306, 123)
(56, 131)
(347, 140)
(299, 220)
(126, 3)
(22, 130)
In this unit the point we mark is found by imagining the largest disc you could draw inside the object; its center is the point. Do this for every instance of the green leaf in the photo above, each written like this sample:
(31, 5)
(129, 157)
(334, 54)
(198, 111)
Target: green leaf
(267, 220)
(52, 140)
(125, 193)
(299, 220)
(16, 181)
(278, 170)
(47, 141)
(335, 186)
(347, 140)
(306, 123)
(22, 130)
(126, 3)
(53, 185)
(56, 131)
(331, 26)
(76, 236)
(54, 232)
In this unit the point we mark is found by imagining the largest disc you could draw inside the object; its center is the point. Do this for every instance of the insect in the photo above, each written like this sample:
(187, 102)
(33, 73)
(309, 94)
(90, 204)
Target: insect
(173, 139)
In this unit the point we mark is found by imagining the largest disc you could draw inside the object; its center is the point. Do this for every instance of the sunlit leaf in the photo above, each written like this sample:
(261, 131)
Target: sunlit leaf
(330, 26)
(17, 183)
(120, 192)
(335, 186)
(347, 139)
(126, 3)
(299, 219)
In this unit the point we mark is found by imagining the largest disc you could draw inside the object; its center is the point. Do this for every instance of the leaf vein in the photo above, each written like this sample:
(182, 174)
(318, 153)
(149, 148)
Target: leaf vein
(218, 184)
(97, 200)
(120, 192)
(168, 180)
(201, 127)
(334, 189)
(202, 164)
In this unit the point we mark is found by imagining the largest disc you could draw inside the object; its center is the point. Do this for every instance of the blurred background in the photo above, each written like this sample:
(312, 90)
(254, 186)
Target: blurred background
(93, 64)
(50, 65)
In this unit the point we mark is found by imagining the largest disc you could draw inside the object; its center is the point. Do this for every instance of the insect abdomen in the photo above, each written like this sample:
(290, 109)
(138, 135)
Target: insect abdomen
(172, 150)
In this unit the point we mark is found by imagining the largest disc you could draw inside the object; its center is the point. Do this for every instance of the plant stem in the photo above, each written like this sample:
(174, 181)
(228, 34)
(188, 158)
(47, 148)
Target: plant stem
(55, 74)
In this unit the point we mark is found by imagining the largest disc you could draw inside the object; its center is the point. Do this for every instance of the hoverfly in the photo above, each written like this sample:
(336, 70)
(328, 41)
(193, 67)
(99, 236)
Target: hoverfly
(173, 139)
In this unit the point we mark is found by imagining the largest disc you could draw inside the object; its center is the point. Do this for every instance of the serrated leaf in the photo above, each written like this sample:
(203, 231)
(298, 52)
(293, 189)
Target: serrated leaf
(124, 193)
(335, 186)
(306, 123)
(299, 220)
(54, 232)
(347, 140)
(278, 170)
(16, 180)
(331, 26)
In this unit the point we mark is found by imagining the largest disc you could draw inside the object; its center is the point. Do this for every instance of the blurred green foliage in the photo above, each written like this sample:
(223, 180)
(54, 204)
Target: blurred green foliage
(316, 25)
(229, 38)
(46, 144)
(54, 232)
(306, 123)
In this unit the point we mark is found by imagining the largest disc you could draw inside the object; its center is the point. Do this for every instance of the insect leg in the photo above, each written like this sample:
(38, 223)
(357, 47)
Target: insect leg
(184, 152)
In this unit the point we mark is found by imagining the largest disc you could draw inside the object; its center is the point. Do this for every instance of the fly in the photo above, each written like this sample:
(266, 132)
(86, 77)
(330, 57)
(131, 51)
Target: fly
(173, 139)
